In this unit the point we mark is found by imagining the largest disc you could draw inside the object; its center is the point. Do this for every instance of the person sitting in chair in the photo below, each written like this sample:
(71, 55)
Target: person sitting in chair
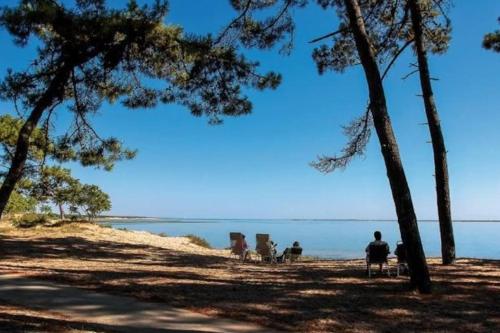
(401, 258)
(291, 253)
(271, 245)
(296, 246)
(377, 242)
(273, 249)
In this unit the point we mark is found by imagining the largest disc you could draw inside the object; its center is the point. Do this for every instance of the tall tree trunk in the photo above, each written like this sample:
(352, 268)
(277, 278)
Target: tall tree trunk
(419, 273)
(61, 212)
(53, 92)
(439, 149)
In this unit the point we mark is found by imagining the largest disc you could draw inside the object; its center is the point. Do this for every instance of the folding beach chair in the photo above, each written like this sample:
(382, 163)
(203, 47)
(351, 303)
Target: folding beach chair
(234, 239)
(400, 253)
(263, 248)
(292, 254)
(377, 254)
(295, 254)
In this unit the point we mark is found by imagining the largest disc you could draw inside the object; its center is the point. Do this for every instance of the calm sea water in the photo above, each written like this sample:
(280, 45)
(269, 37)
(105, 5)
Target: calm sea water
(327, 238)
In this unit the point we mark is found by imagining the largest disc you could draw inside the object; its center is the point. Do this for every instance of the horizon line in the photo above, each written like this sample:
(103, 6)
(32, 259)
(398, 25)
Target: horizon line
(292, 219)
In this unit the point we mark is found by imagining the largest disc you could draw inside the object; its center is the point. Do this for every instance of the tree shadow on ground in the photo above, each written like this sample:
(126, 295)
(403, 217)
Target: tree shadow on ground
(24, 323)
(32, 323)
(316, 296)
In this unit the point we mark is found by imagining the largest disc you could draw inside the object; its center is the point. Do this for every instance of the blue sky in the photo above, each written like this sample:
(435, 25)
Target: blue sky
(257, 166)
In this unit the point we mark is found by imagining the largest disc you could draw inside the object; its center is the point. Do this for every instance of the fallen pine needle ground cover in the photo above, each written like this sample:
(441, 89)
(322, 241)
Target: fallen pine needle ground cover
(309, 296)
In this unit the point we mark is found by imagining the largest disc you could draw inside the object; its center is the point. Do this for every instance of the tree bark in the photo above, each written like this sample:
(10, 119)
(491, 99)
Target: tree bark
(438, 146)
(53, 92)
(419, 273)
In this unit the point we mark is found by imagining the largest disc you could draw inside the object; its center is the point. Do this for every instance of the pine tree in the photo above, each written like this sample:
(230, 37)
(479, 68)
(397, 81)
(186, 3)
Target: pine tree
(419, 10)
(91, 199)
(89, 54)
(355, 42)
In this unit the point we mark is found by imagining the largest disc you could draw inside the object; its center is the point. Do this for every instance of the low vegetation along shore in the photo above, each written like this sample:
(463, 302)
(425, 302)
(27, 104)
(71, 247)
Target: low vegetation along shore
(309, 296)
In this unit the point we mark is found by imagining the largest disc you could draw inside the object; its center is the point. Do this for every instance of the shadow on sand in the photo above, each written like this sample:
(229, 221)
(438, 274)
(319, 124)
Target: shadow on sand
(309, 296)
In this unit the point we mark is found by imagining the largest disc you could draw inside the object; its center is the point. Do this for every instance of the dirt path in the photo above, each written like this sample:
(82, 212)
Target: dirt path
(119, 314)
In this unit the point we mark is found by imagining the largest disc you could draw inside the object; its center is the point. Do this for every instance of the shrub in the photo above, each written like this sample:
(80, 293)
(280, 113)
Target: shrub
(199, 241)
(30, 220)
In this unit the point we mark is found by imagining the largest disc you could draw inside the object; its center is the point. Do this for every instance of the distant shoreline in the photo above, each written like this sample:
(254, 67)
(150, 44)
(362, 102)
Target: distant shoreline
(181, 219)
(124, 218)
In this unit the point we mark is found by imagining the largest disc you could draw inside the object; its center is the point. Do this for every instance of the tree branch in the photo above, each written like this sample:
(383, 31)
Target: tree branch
(393, 60)
(331, 34)
(233, 22)
(359, 133)
(285, 7)
(409, 74)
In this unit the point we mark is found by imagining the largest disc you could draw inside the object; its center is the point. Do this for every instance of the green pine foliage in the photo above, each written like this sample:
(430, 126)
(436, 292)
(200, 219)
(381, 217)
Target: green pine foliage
(44, 184)
(92, 200)
(114, 55)
(491, 40)
(20, 203)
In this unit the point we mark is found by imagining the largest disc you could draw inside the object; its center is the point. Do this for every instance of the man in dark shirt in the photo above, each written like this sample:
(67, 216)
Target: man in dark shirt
(378, 241)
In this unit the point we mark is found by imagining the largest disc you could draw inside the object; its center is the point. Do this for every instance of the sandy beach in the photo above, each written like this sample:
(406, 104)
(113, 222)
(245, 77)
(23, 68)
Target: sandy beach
(309, 296)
